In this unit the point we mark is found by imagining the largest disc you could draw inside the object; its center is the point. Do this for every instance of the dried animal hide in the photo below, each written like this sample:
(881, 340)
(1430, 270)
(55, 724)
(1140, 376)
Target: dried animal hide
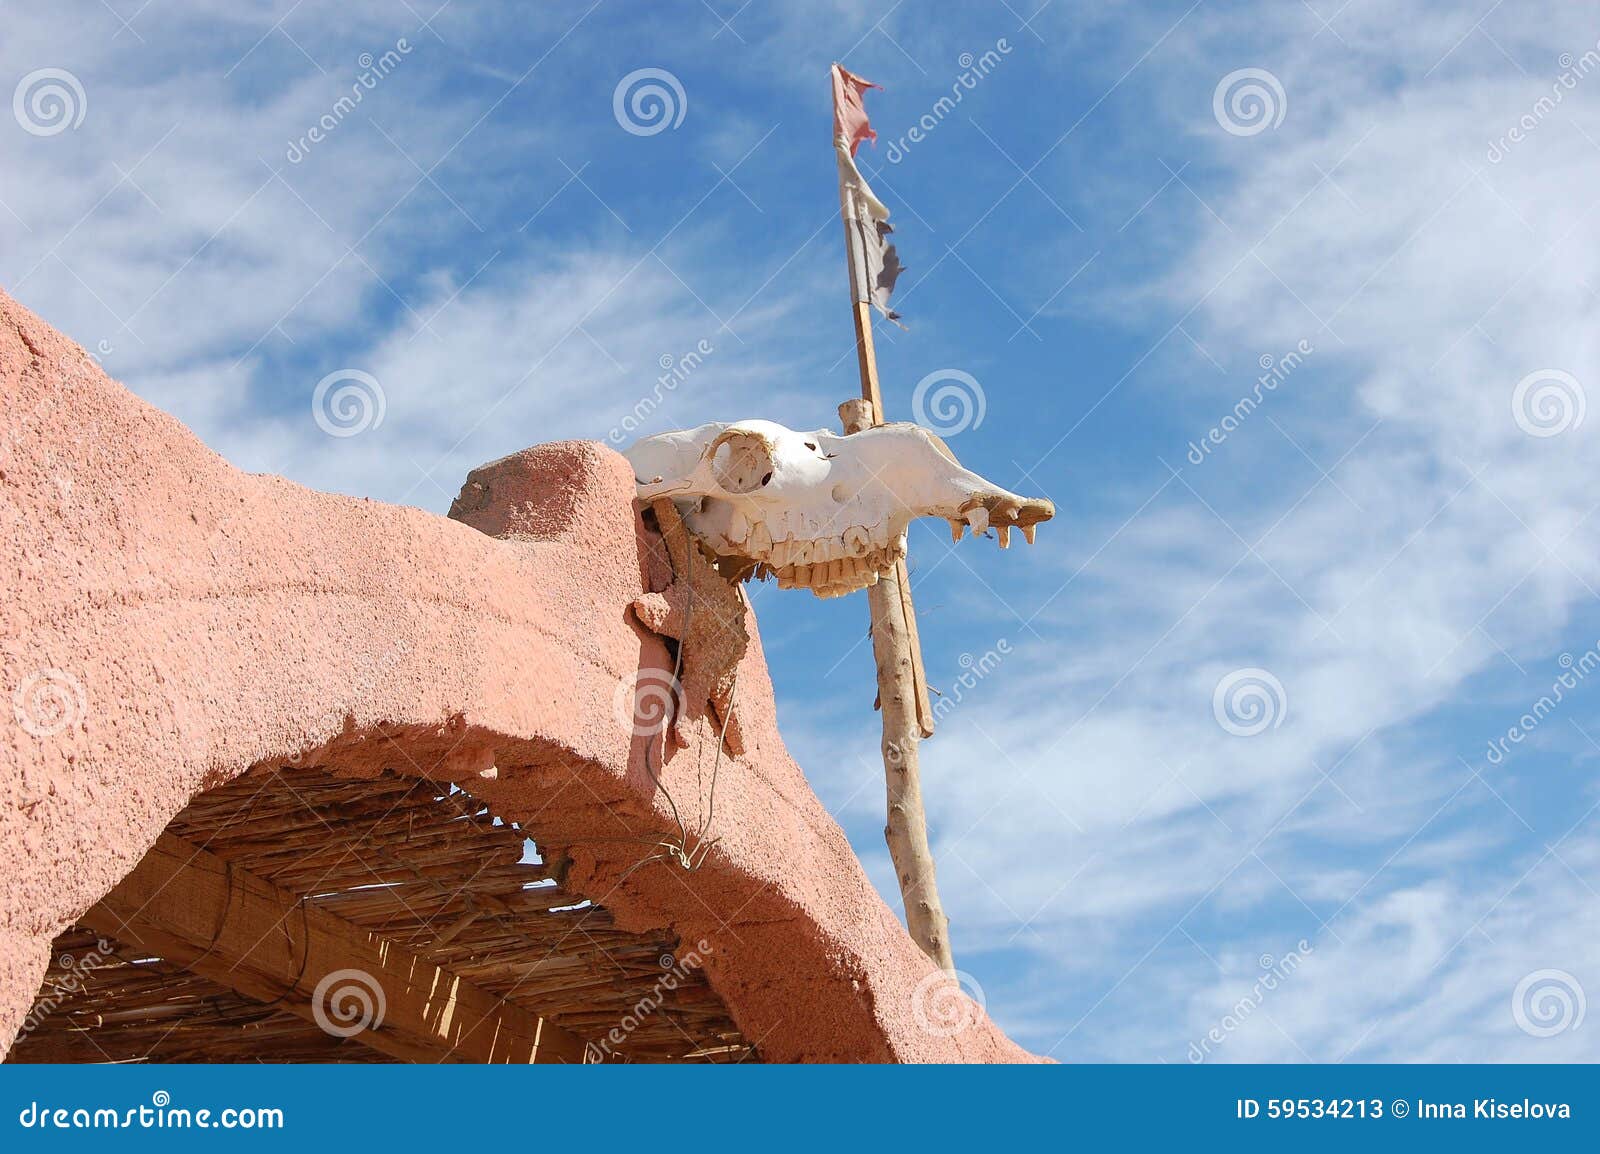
(705, 616)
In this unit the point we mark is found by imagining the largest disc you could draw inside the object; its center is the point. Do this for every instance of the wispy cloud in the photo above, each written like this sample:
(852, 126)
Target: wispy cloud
(1380, 534)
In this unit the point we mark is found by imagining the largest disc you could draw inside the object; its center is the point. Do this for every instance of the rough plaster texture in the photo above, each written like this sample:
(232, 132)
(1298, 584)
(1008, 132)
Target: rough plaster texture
(168, 622)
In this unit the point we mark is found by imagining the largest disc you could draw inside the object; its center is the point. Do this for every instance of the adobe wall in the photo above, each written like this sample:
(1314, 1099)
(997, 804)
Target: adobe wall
(168, 622)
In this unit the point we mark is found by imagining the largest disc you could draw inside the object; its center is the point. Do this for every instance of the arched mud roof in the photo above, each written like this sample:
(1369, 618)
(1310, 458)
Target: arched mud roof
(168, 622)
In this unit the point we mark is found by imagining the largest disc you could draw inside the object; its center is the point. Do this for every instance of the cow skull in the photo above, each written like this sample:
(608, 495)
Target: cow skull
(818, 510)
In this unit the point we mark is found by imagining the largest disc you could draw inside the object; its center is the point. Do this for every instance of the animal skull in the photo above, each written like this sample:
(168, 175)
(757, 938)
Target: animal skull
(820, 511)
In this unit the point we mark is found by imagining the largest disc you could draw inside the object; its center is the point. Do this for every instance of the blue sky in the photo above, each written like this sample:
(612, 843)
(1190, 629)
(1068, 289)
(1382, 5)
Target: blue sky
(1113, 255)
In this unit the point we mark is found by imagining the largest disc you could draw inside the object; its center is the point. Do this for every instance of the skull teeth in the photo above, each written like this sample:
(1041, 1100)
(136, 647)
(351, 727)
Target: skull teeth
(828, 566)
(835, 576)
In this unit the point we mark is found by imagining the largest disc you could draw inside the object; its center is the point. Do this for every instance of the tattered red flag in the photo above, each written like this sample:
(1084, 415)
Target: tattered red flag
(849, 113)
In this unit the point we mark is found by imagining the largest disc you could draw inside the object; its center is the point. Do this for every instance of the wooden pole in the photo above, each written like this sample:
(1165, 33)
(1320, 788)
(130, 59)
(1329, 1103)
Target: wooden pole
(896, 651)
(896, 648)
(867, 362)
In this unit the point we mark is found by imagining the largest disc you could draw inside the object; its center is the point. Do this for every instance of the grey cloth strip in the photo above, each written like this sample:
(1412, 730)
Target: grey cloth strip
(875, 263)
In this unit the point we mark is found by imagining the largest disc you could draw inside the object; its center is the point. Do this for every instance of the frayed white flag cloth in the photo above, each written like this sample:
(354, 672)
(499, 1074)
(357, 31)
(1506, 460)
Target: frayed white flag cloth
(874, 263)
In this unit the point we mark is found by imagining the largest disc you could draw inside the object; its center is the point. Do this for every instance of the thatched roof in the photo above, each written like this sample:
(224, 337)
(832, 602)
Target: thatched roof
(415, 863)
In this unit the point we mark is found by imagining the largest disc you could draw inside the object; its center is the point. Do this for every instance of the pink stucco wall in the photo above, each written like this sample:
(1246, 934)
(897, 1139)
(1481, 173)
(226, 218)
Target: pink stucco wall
(168, 622)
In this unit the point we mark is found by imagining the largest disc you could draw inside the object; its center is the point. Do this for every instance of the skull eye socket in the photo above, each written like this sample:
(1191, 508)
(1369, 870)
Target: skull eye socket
(743, 463)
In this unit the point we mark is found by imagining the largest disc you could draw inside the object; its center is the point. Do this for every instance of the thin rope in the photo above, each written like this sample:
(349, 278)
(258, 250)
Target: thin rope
(222, 921)
(305, 949)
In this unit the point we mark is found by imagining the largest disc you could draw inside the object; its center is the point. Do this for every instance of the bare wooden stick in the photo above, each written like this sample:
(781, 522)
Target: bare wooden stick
(894, 647)
(872, 398)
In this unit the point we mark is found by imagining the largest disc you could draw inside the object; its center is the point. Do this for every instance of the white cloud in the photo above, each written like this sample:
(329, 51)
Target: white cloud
(1430, 283)
(222, 280)
(1087, 807)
